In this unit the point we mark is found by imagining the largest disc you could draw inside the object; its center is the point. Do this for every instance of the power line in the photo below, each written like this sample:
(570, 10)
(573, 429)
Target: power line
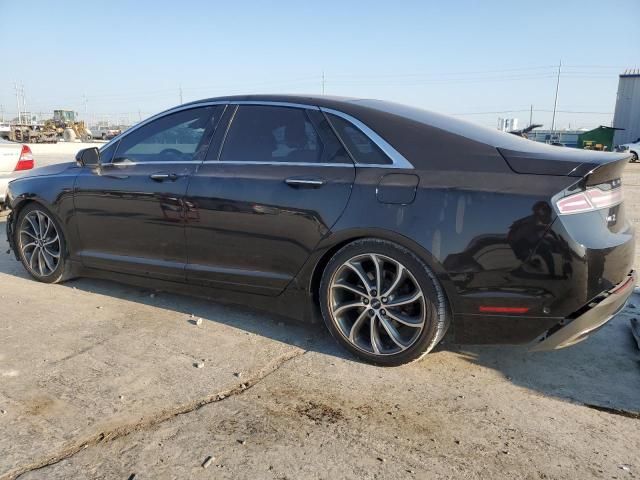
(400, 79)
(496, 112)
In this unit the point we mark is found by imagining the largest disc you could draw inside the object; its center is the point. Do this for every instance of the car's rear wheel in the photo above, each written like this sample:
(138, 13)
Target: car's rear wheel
(41, 244)
(634, 157)
(382, 303)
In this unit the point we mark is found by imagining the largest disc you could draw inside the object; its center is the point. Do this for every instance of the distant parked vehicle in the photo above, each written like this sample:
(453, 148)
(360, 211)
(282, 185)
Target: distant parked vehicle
(5, 131)
(28, 133)
(632, 148)
(104, 133)
(15, 158)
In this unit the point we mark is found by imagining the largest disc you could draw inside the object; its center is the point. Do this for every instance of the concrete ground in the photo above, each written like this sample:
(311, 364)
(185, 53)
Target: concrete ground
(101, 380)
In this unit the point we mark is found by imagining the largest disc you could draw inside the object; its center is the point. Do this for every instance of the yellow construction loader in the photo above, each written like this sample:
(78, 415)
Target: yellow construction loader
(67, 127)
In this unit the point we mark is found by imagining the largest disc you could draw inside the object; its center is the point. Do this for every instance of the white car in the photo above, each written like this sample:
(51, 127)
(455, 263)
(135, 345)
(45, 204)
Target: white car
(15, 159)
(632, 148)
(104, 133)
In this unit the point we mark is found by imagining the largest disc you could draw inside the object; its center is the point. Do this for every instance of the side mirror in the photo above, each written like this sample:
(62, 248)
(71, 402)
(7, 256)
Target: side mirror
(88, 157)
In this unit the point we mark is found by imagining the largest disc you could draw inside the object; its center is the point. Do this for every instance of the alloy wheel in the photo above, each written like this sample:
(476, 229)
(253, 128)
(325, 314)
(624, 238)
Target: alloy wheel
(40, 244)
(377, 304)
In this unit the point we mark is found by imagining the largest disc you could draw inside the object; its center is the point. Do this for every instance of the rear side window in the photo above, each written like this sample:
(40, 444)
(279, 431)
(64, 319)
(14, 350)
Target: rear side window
(260, 133)
(333, 151)
(175, 137)
(361, 147)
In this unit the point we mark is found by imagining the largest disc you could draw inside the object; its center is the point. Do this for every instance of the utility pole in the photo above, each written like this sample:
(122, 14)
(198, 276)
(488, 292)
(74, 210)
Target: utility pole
(323, 81)
(15, 86)
(531, 116)
(1, 113)
(180, 89)
(555, 103)
(24, 103)
(85, 101)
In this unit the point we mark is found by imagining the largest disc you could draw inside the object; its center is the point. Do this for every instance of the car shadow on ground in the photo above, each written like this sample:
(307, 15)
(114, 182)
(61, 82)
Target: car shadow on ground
(603, 371)
(188, 309)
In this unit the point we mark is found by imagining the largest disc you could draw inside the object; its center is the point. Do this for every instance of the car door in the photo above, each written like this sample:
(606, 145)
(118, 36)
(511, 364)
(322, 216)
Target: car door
(130, 212)
(275, 181)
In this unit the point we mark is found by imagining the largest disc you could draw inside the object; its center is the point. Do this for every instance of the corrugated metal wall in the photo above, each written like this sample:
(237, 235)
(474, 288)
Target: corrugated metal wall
(627, 114)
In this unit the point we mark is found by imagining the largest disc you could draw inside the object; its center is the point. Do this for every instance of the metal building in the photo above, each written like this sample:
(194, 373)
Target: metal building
(568, 138)
(627, 114)
(507, 124)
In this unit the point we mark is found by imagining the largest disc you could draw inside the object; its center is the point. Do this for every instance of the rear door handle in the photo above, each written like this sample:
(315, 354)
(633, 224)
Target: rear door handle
(161, 177)
(304, 182)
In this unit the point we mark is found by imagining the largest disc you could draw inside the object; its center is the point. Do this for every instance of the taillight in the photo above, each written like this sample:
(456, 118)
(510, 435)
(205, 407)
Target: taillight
(25, 162)
(589, 200)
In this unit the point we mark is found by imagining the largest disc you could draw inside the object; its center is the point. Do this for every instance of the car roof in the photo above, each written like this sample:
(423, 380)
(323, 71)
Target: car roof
(415, 131)
(362, 107)
(372, 112)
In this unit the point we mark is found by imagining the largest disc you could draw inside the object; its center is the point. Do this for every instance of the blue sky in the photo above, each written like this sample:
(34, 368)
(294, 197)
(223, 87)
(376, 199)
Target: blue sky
(130, 59)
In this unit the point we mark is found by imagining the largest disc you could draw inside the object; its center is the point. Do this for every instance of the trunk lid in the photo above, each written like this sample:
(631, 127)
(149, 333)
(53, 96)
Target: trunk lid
(543, 159)
(9, 156)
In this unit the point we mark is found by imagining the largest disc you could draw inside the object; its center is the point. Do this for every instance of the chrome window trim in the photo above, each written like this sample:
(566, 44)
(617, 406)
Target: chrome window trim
(128, 164)
(284, 164)
(159, 115)
(223, 141)
(274, 104)
(397, 159)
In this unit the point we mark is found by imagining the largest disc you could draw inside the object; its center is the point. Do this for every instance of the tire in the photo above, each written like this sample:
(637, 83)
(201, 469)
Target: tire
(634, 157)
(410, 313)
(44, 267)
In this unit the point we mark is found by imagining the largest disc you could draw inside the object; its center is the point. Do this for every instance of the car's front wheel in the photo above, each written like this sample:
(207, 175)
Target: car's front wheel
(41, 245)
(381, 302)
(634, 157)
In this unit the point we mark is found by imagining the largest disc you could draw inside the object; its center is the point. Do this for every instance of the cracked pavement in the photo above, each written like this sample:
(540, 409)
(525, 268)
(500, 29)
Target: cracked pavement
(99, 380)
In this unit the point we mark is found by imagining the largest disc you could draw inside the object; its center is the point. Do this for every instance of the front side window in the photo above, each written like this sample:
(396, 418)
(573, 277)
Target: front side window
(180, 136)
(106, 153)
(361, 147)
(260, 133)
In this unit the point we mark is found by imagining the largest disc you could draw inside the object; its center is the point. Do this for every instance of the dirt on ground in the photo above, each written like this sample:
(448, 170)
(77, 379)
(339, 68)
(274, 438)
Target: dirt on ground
(102, 380)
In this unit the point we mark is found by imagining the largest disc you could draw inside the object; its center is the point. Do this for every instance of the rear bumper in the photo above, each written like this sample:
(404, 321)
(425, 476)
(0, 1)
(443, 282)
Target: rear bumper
(4, 184)
(589, 318)
(10, 236)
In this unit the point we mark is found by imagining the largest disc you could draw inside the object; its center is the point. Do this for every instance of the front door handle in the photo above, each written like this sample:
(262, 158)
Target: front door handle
(304, 182)
(161, 177)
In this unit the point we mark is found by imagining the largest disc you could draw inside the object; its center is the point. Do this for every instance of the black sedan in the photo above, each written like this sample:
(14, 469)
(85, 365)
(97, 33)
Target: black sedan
(392, 223)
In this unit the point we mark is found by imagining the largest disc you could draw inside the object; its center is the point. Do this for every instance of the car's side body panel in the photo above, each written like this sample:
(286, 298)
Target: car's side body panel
(131, 223)
(51, 186)
(466, 234)
(248, 229)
